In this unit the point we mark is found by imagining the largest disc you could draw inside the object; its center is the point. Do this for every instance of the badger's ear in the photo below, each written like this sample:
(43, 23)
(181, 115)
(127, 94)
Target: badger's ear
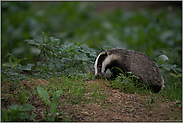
(102, 57)
(106, 54)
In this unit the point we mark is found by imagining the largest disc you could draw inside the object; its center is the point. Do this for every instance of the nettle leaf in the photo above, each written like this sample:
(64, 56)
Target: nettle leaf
(27, 67)
(54, 41)
(84, 46)
(44, 94)
(15, 60)
(26, 107)
(67, 45)
(45, 37)
(168, 67)
(22, 97)
(6, 65)
(15, 85)
(35, 42)
(176, 75)
(163, 58)
(70, 70)
(14, 107)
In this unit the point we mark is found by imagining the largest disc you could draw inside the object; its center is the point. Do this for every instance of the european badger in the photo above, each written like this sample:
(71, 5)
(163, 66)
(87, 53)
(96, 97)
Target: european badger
(138, 64)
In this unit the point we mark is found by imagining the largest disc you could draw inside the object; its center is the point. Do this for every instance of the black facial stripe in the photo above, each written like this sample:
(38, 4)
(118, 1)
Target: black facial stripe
(100, 60)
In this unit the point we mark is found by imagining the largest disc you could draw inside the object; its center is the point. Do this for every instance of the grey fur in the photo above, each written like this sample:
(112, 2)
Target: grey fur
(130, 61)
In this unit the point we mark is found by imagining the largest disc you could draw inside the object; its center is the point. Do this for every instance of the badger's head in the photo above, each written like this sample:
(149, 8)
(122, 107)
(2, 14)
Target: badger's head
(103, 62)
(98, 64)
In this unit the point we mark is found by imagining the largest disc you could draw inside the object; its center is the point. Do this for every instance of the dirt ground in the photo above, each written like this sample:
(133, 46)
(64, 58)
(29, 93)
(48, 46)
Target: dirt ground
(116, 107)
(120, 107)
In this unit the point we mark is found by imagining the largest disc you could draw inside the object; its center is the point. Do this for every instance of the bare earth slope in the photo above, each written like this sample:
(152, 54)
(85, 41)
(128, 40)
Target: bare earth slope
(115, 106)
(119, 106)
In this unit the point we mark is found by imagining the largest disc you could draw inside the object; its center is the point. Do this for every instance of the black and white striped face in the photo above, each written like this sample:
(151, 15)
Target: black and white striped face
(101, 63)
(98, 64)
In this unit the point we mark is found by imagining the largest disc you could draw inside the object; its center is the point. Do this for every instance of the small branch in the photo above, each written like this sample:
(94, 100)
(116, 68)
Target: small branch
(54, 35)
(40, 63)
(40, 55)
(46, 61)
(36, 61)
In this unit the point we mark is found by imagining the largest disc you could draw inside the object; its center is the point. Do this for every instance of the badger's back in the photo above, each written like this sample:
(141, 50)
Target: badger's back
(141, 66)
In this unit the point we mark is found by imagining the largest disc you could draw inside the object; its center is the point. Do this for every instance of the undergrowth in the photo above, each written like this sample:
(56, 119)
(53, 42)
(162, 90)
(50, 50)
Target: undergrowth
(41, 75)
(66, 68)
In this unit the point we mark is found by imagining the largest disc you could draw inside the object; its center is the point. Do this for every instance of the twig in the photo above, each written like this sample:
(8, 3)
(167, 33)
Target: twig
(40, 55)
(37, 60)
(46, 61)
(40, 63)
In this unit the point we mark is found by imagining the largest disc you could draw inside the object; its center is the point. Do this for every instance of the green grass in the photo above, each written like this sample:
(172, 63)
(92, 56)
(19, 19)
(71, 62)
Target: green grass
(75, 90)
(74, 87)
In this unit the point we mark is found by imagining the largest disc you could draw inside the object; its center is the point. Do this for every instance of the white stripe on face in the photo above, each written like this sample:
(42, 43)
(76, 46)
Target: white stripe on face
(96, 62)
(107, 61)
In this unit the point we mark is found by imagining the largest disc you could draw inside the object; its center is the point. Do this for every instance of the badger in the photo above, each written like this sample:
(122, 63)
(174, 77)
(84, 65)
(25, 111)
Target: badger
(120, 60)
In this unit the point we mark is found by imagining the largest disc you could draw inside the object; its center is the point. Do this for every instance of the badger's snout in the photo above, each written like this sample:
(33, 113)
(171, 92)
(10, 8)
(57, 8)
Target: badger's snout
(98, 75)
(99, 72)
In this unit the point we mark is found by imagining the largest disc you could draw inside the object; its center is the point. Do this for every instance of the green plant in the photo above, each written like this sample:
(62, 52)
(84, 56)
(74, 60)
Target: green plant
(173, 88)
(12, 70)
(53, 59)
(18, 113)
(126, 82)
(148, 30)
(46, 99)
(97, 96)
(59, 59)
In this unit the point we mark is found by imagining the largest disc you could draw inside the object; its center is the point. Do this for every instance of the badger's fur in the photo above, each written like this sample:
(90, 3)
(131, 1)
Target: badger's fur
(138, 64)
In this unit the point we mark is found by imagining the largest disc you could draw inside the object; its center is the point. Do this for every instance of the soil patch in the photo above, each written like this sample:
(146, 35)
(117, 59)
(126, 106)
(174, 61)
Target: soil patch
(120, 107)
(116, 107)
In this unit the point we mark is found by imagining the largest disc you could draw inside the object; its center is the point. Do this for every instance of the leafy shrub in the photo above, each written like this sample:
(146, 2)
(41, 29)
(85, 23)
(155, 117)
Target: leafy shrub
(145, 31)
(12, 70)
(18, 113)
(68, 58)
(173, 87)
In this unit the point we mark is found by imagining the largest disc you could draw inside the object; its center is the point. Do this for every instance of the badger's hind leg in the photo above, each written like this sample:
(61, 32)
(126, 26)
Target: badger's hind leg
(155, 87)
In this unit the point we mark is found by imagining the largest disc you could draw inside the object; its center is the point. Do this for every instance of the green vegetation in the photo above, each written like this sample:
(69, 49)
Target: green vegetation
(64, 54)
(45, 97)
(18, 113)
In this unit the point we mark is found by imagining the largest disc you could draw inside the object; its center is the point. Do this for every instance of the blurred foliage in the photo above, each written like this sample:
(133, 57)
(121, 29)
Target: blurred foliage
(153, 33)
(144, 31)
(17, 113)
